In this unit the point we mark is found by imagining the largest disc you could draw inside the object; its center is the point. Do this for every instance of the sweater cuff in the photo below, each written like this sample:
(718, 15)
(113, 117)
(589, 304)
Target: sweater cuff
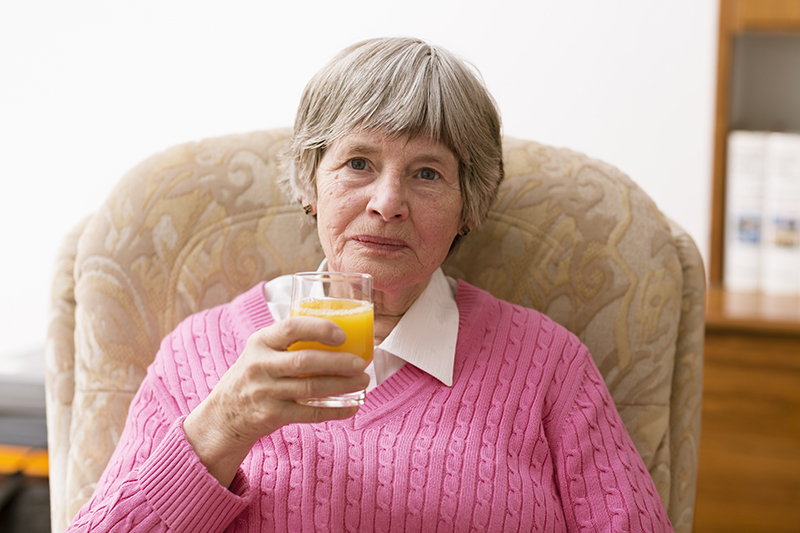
(182, 491)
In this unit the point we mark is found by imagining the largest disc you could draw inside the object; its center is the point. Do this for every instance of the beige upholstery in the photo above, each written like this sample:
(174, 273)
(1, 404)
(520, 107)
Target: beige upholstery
(202, 222)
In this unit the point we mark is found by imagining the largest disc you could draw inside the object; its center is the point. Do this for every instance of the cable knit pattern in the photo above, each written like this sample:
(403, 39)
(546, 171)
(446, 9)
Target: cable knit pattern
(200, 223)
(527, 439)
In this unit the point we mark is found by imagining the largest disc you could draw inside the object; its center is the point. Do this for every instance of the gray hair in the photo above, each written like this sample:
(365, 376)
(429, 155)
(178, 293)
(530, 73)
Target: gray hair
(405, 87)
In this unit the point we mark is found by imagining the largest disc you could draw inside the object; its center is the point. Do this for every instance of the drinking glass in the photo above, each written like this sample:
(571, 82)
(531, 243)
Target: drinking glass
(344, 298)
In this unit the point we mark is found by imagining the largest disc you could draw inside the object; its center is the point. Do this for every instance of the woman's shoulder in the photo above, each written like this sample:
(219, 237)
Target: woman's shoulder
(476, 303)
(218, 328)
(246, 312)
(537, 337)
(552, 359)
(193, 357)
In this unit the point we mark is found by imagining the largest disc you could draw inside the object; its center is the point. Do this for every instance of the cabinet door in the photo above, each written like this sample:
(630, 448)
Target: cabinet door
(749, 466)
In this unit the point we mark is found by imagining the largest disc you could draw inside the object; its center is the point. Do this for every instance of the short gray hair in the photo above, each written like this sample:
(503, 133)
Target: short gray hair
(406, 87)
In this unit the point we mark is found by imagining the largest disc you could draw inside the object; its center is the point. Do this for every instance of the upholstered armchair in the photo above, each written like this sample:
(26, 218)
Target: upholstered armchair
(202, 222)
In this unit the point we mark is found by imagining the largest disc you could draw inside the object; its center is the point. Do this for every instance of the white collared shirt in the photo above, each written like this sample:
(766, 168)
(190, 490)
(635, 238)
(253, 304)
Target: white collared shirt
(425, 336)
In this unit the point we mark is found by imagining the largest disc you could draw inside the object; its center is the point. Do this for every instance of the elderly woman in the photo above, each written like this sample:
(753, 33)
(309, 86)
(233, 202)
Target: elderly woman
(479, 414)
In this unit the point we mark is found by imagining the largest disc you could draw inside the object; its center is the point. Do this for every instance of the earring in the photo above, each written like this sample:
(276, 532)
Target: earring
(307, 209)
(464, 230)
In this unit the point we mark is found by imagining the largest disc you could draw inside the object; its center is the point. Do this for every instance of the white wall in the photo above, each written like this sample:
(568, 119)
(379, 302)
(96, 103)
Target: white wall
(88, 88)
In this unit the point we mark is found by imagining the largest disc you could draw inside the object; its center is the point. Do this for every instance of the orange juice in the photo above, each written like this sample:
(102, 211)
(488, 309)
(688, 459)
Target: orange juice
(354, 316)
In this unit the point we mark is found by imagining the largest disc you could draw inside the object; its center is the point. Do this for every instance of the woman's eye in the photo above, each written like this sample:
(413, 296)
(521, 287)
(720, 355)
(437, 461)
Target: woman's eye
(428, 174)
(358, 164)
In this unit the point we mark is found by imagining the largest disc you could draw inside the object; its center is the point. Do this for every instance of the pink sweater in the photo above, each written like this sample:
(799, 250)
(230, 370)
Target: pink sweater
(527, 439)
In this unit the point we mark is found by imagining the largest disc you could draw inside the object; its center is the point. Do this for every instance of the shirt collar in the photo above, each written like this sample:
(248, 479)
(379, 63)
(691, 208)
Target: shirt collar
(426, 334)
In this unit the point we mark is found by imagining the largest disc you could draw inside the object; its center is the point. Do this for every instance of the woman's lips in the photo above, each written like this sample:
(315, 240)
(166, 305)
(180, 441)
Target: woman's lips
(380, 243)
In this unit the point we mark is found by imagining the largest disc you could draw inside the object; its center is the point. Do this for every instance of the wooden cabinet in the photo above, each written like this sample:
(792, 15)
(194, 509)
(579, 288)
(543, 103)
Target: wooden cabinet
(749, 467)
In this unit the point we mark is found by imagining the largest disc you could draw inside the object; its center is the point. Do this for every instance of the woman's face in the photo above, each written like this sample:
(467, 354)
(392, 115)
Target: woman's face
(388, 206)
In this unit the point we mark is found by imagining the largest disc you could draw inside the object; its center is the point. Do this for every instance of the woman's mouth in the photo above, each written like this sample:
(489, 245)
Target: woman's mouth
(380, 243)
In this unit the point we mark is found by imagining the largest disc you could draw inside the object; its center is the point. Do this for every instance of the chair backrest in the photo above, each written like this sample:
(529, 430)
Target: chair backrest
(194, 226)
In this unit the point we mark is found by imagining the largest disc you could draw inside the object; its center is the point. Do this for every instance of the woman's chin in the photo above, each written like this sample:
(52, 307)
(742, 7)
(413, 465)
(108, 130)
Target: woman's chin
(392, 274)
(381, 266)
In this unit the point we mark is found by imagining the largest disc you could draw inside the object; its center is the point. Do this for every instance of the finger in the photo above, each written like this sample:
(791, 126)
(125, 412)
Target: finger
(301, 388)
(281, 335)
(313, 414)
(319, 362)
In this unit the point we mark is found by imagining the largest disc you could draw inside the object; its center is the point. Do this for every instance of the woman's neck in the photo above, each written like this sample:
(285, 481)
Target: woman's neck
(390, 308)
(384, 326)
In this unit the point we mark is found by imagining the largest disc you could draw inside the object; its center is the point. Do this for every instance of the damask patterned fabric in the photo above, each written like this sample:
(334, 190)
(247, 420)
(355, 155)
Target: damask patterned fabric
(194, 226)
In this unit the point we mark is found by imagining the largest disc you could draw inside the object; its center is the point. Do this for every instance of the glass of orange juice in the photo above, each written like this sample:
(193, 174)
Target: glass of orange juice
(346, 299)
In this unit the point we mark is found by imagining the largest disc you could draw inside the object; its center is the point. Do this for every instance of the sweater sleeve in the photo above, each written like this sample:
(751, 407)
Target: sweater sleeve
(603, 482)
(154, 480)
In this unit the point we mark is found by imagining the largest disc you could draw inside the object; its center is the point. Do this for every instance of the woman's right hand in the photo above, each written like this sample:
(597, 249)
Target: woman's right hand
(258, 393)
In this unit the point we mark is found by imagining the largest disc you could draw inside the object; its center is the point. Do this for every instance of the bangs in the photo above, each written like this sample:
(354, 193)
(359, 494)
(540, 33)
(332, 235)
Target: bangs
(397, 92)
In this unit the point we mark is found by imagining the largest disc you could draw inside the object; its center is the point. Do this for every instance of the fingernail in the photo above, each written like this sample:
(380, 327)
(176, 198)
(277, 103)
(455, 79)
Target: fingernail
(339, 336)
(359, 365)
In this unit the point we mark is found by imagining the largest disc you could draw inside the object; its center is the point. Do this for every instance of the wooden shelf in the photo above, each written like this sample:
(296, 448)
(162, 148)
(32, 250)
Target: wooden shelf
(765, 15)
(737, 17)
(752, 312)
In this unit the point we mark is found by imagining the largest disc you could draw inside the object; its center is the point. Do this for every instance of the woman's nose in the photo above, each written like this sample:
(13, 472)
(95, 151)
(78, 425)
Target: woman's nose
(389, 198)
